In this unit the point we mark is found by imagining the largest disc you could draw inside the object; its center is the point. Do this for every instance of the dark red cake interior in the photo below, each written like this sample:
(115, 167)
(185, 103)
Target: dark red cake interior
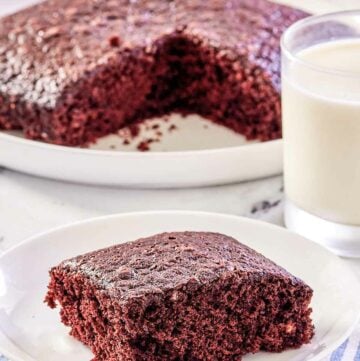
(91, 68)
(181, 296)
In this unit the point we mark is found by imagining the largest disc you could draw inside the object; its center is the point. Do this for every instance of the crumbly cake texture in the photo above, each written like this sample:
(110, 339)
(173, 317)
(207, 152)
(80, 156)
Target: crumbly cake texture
(74, 70)
(180, 296)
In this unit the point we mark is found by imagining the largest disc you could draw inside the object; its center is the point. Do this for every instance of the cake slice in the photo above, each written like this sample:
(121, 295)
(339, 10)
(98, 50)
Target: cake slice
(180, 296)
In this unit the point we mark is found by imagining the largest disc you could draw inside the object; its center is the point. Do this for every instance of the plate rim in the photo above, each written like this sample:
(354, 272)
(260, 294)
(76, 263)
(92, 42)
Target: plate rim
(179, 212)
(38, 236)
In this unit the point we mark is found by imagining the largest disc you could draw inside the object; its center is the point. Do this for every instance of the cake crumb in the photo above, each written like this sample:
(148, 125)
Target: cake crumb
(143, 146)
(114, 41)
(264, 206)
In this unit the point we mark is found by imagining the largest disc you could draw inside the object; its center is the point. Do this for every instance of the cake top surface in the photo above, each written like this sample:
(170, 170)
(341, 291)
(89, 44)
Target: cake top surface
(48, 46)
(170, 261)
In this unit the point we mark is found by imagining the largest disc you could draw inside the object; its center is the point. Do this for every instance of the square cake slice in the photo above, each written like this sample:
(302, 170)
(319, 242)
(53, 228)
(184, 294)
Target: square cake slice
(180, 296)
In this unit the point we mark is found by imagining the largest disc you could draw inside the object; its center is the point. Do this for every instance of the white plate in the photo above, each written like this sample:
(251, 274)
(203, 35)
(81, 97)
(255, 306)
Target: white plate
(197, 153)
(31, 331)
(190, 156)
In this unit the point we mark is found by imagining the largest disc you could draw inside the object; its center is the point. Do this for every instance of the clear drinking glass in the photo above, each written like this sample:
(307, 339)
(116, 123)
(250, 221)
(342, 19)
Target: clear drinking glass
(321, 129)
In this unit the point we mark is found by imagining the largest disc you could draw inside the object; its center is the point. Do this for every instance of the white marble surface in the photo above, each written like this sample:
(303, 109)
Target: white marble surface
(29, 205)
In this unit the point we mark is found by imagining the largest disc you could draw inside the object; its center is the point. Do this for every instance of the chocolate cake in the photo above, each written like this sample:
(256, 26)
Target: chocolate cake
(74, 70)
(180, 296)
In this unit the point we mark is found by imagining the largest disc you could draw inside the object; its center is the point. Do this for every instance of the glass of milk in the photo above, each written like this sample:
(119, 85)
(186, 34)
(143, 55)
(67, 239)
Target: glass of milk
(321, 129)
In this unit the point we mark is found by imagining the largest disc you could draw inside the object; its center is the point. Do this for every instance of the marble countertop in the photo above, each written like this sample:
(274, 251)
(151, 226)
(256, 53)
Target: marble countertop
(31, 205)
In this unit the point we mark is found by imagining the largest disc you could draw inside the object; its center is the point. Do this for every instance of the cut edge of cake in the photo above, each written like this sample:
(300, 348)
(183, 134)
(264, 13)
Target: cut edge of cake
(83, 81)
(228, 310)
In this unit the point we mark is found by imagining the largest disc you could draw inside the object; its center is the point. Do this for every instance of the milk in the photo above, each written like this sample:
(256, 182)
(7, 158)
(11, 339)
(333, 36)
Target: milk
(321, 125)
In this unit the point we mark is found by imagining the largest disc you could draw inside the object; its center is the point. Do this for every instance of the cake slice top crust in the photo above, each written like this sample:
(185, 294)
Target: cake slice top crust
(169, 261)
(47, 47)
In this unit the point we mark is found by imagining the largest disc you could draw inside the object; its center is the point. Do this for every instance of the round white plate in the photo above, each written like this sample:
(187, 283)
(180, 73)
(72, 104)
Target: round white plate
(30, 331)
(189, 156)
(196, 153)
